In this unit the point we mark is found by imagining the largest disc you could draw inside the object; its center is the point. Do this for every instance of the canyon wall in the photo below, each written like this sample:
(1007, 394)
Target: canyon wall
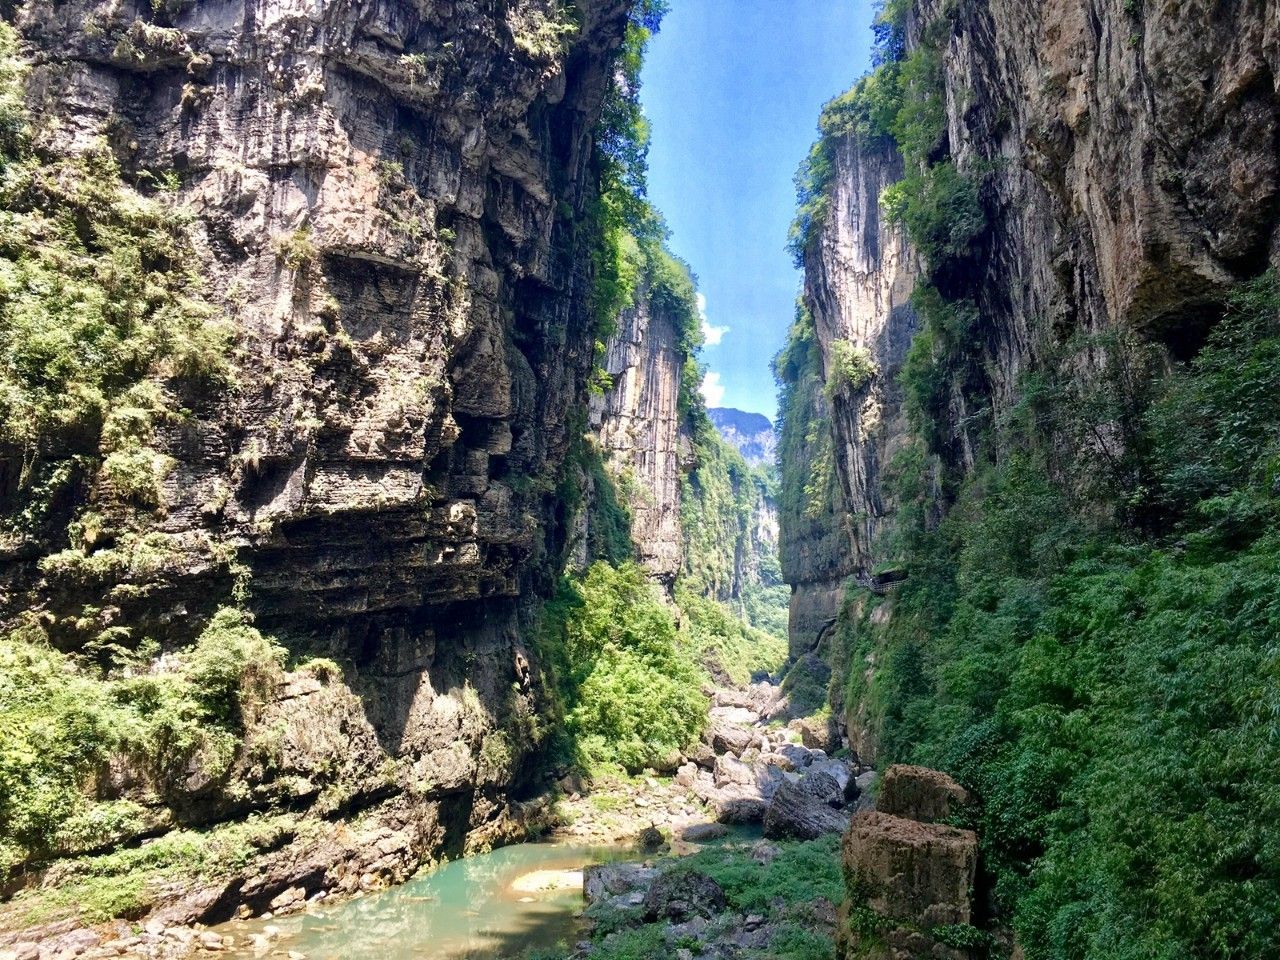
(385, 207)
(695, 509)
(859, 275)
(643, 433)
(1038, 247)
(1126, 162)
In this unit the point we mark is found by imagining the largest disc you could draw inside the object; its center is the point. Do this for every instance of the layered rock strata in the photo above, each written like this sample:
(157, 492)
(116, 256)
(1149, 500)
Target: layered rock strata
(642, 431)
(388, 205)
(1126, 163)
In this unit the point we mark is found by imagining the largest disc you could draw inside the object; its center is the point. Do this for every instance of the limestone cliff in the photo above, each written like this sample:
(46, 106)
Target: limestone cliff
(980, 419)
(642, 429)
(842, 430)
(693, 507)
(1125, 167)
(386, 205)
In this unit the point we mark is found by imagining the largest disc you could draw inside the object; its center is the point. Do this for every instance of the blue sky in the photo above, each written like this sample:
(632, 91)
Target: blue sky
(733, 89)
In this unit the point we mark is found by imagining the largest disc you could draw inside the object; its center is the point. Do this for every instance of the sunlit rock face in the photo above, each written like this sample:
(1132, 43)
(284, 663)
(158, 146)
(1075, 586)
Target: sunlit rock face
(386, 200)
(1129, 169)
(1129, 177)
(858, 281)
(751, 433)
(641, 431)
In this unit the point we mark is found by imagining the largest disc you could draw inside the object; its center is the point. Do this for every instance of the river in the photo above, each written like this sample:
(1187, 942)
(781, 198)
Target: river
(491, 906)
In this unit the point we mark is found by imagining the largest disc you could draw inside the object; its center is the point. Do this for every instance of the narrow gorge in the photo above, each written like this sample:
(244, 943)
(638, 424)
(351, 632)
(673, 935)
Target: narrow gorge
(384, 570)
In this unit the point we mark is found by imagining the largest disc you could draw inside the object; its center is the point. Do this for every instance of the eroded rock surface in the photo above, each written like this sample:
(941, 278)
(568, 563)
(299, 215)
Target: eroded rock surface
(906, 876)
(387, 202)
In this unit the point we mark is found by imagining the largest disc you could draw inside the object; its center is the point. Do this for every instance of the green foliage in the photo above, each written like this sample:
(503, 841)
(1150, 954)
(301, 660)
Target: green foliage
(1107, 681)
(802, 872)
(542, 35)
(61, 722)
(796, 942)
(783, 889)
(717, 499)
(850, 368)
(295, 249)
(126, 882)
(636, 943)
(232, 667)
(808, 489)
(766, 605)
(941, 210)
(724, 643)
(609, 516)
(806, 686)
(630, 688)
(101, 321)
(1214, 427)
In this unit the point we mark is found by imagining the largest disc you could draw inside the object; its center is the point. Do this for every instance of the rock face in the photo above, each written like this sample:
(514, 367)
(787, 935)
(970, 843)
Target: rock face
(642, 431)
(1122, 159)
(387, 203)
(750, 433)
(906, 877)
(858, 291)
(1128, 179)
(695, 510)
(807, 809)
(929, 796)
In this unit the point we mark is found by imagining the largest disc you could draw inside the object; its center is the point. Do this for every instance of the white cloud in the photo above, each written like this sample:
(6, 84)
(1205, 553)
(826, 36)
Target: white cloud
(712, 389)
(710, 335)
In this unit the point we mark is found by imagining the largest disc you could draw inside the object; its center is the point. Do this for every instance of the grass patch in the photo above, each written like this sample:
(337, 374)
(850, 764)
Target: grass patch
(125, 883)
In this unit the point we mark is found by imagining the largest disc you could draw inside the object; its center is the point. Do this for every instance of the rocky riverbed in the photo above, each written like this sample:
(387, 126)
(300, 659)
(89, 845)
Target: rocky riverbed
(742, 898)
(756, 766)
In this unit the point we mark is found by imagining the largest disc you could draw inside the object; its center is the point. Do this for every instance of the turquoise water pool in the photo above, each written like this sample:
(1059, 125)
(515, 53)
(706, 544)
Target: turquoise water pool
(492, 906)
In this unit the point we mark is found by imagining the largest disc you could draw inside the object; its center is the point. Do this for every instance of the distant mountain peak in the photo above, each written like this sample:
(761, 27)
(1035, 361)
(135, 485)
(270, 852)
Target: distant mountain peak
(751, 433)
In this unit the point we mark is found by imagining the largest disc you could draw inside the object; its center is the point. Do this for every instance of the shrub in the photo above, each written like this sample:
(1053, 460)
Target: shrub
(724, 643)
(632, 695)
(803, 871)
(61, 722)
(941, 210)
(102, 323)
(539, 34)
(850, 367)
(1109, 692)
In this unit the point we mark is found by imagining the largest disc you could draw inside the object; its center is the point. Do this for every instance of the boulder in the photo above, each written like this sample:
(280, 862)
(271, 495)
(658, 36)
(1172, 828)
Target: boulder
(730, 770)
(687, 775)
(919, 793)
(740, 807)
(768, 778)
(605, 880)
(742, 716)
(861, 787)
(915, 875)
(818, 732)
(799, 757)
(803, 811)
(651, 839)
(822, 787)
(683, 894)
(702, 832)
(839, 771)
(702, 755)
(726, 737)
